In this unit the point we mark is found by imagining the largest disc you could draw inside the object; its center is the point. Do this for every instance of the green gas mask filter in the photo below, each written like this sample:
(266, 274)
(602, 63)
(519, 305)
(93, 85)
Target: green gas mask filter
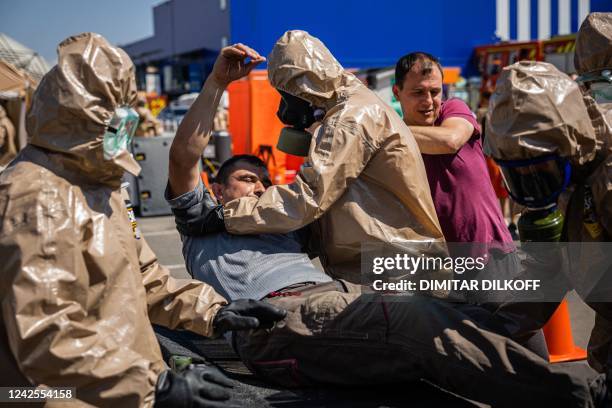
(543, 225)
(119, 131)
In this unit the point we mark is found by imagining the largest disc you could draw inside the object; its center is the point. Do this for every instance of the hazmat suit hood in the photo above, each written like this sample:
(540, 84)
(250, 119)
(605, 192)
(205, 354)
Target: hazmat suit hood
(536, 110)
(594, 53)
(75, 101)
(593, 43)
(302, 66)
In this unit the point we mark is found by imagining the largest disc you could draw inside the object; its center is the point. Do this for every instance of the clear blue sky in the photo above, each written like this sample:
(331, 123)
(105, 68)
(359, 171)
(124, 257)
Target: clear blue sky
(42, 24)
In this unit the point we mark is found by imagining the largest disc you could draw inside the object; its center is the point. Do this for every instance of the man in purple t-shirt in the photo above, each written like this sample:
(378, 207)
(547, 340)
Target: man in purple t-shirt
(448, 136)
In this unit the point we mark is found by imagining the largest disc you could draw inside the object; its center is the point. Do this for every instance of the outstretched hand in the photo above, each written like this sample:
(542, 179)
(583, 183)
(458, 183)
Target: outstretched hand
(231, 64)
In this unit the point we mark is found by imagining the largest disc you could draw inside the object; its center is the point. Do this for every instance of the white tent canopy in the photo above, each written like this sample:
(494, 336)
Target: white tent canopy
(22, 57)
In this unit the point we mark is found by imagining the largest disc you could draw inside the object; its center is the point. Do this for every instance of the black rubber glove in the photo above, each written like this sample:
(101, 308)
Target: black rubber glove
(199, 386)
(245, 314)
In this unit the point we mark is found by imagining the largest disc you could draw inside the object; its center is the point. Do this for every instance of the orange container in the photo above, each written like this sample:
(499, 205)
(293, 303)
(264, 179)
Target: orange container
(240, 116)
(254, 127)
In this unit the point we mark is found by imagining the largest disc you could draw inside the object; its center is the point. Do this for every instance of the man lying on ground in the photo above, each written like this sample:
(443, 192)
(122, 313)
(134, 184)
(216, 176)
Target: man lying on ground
(336, 334)
(239, 266)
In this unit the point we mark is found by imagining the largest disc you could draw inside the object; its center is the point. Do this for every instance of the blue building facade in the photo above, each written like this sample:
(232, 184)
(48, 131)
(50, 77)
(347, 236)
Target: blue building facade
(361, 34)
(368, 34)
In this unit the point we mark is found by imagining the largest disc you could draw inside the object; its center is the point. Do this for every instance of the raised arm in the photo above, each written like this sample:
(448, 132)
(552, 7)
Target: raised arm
(193, 134)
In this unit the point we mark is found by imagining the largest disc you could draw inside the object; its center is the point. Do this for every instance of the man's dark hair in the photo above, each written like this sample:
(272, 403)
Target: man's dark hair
(405, 64)
(232, 163)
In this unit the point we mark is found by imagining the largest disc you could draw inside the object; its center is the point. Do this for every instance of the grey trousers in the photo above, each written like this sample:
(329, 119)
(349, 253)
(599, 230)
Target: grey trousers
(335, 334)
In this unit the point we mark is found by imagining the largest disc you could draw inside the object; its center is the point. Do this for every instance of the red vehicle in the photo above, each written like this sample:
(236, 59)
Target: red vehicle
(559, 51)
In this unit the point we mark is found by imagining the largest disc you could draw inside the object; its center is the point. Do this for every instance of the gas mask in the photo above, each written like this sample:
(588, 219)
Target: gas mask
(119, 131)
(537, 184)
(299, 115)
(599, 84)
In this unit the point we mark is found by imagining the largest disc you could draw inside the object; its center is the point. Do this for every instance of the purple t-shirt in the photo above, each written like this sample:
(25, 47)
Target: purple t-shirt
(462, 193)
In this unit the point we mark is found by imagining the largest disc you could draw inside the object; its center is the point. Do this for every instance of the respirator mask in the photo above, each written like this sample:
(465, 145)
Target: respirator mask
(536, 183)
(599, 84)
(298, 115)
(119, 131)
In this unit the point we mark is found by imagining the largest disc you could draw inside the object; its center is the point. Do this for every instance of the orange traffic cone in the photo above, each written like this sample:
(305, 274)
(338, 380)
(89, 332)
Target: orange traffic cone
(559, 339)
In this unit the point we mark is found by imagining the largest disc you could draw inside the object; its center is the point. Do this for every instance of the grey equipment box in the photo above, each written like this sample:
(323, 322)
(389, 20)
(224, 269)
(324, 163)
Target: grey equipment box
(152, 153)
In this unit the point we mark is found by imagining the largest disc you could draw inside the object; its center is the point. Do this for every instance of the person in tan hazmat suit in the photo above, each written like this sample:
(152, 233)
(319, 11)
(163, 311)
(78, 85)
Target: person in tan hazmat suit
(553, 141)
(334, 333)
(363, 180)
(79, 286)
(8, 151)
(148, 126)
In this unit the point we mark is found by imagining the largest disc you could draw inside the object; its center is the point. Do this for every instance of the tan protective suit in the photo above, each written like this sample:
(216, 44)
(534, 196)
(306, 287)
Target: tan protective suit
(537, 110)
(594, 52)
(8, 150)
(364, 180)
(78, 289)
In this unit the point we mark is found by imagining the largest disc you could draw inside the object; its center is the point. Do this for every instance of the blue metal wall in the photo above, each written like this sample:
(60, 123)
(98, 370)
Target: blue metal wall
(367, 33)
